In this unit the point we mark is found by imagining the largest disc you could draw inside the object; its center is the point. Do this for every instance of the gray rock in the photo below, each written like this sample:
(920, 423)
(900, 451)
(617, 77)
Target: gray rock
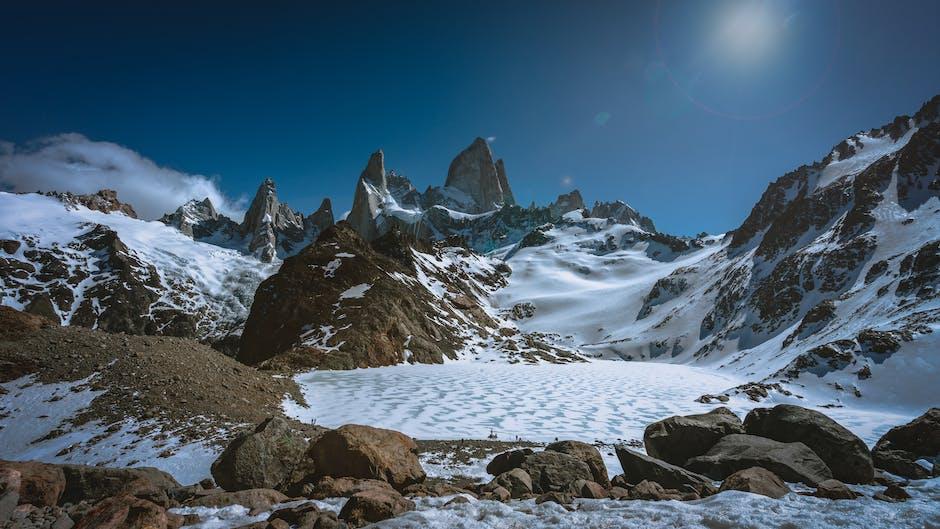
(844, 453)
(474, 173)
(791, 461)
(677, 439)
(516, 481)
(587, 453)
(756, 480)
(898, 450)
(554, 471)
(638, 467)
(567, 202)
(269, 457)
(508, 460)
(368, 199)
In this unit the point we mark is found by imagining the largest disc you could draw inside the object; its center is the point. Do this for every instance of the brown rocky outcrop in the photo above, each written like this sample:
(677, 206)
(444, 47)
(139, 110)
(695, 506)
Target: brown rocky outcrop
(374, 505)
(793, 462)
(364, 452)
(756, 480)
(587, 453)
(676, 439)
(898, 450)
(269, 457)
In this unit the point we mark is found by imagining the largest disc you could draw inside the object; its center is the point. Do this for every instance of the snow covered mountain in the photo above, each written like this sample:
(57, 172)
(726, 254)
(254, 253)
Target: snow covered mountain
(831, 281)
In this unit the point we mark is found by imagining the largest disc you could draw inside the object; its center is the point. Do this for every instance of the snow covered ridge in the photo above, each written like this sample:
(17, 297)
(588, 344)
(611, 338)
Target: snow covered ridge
(832, 282)
(112, 272)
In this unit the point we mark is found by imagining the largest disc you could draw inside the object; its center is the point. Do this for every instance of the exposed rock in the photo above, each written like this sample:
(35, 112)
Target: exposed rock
(844, 453)
(676, 439)
(898, 450)
(893, 494)
(757, 480)
(567, 202)
(200, 220)
(17, 324)
(652, 491)
(561, 498)
(368, 199)
(496, 493)
(38, 483)
(516, 481)
(306, 516)
(358, 451)
(622, 213)
(508, 460)
(321, 219)
(88, 483)
(474, 173)
(128, 512)
(269, 222)
(330, 487)
(254, 499)
(375, 505)
(105, 201)
(554, 471)
(588, 489)
(10, 483)
(269, 457)
(834, 489)
(508, 198)
(587, 453)
(638, 467)
(791, 461)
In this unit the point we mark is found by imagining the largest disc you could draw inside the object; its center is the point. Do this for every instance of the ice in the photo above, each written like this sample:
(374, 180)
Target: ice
(356, 292)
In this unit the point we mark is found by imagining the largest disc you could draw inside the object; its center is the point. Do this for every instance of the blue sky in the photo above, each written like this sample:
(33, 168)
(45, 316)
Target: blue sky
(686, 110)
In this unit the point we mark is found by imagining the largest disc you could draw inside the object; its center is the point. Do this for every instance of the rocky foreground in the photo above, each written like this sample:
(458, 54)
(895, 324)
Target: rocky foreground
(278, 469)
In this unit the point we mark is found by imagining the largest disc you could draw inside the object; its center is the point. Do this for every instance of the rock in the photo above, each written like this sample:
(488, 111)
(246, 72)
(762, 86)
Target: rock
(893, 494)
(554, 471)
(127, 512)
(844, 453)
(40, 484)
(305, 516)
(619, 493)
(566, 202)
(268, 222)
(507, 461)
(105, 201)
(587, 453)
(369, 197)
(9, 246)
(621, 213)
(516, 481)
(457, 500)
(677, 439)
(358, 451)
(757, 480)
(638, 467)
(588, 489)
(561, 498)
(375, 505)
(898, 450)
(329, 487)
(497, 493)
(791, 461)
(834, 489)
(474, 173)
(10, 483)
(652, 491)
(272, 456)
(88, 483)
(254, 499)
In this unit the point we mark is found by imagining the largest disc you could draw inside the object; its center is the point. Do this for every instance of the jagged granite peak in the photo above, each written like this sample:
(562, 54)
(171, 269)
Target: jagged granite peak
(105, 201)
(193, 217)
(371, 191)
(266, 217)
(622, 213)
(567, 202)
(508, 198)
(321, 219)
(474, 173)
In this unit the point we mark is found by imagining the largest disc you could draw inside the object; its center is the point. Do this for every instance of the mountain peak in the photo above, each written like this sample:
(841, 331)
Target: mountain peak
(474, 173)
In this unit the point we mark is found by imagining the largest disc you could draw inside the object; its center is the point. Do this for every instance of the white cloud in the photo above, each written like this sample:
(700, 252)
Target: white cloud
(72, 162)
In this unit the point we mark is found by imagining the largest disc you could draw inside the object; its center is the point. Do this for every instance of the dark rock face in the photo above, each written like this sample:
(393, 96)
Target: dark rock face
(622, 213)
(791, 461)
(508, 460)
(554, 471)
(834, 489)
(844, 453)
(474, 173)
(516, 481)
(587, 453)
(372, 506)
(566, 203)
(676, 439)
(344, 303)
(269, 457)
(105, 201)
(200, 220)
(365, 452)
(756, 480)
(638, 467)
(38, 483)
(368, 199)
(270, 223)
(898, 450)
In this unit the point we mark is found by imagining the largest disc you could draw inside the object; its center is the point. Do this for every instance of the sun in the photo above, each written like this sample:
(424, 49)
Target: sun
(748, 31)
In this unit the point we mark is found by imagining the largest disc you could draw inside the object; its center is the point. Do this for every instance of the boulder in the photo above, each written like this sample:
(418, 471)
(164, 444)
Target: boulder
(508, 460)
(496, 493)
(756, 480)
(587, 453)
(329, 487)
(358, 451)
(375, 505)
(639, 467)
(516, 481)
(588, 489)
(898, 450)
(253, 499)
(834, 489)
(554, 471)
(652, 491)
(127, 512)
(305, 516)
(677, 439)
(88, 483)
(40, 484)
(619, 493)
(893, 494)
(9, 492)
(844, 453)
(271, 456)
(561, 498)
(791, 461)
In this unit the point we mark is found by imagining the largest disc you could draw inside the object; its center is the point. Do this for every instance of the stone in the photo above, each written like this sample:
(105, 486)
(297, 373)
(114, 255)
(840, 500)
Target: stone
(587, 453)
(40, 484)
(554, 471)
(619, 493)
(253, 499)
(89, 483)
(474, 173)
(846, 455)
(330, 487)
(516, 481)
(127, 512)
(639, 467)
(566, 203)
(653, 491)
(375, 505)
(271, 456)
(677, 439)
(359, 451)
(898, 450)
(893, 493)
(561, 498)
(756, 480)
(791, 461)
(507, 461)
(834, 489)
(588, 489)
(369, 198)
(497, 493)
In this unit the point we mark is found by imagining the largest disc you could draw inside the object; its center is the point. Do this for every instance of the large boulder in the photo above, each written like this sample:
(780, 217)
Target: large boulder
(756, 480)
(128, 512)
(844, 453)
(555, 471)
(375, 505)
(587, 453)
(677, 439)
(328, 487)
(639, 467)
(88, 483)
(39, 484)
(271, 456)
(358, 451)
(253, 499)
(898, 450)
(507, 461)
(516, 481)
(791, 461)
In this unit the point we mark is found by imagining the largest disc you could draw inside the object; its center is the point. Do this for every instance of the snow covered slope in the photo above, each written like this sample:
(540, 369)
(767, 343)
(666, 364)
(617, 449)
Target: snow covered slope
(832, 283)
(117, 273)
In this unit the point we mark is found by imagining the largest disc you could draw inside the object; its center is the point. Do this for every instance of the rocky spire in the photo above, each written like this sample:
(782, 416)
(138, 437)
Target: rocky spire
(475, 174)
(320, 219)
(190, 215)
(370, 195)
(567, 202)
(265, 218)
(508, 198)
